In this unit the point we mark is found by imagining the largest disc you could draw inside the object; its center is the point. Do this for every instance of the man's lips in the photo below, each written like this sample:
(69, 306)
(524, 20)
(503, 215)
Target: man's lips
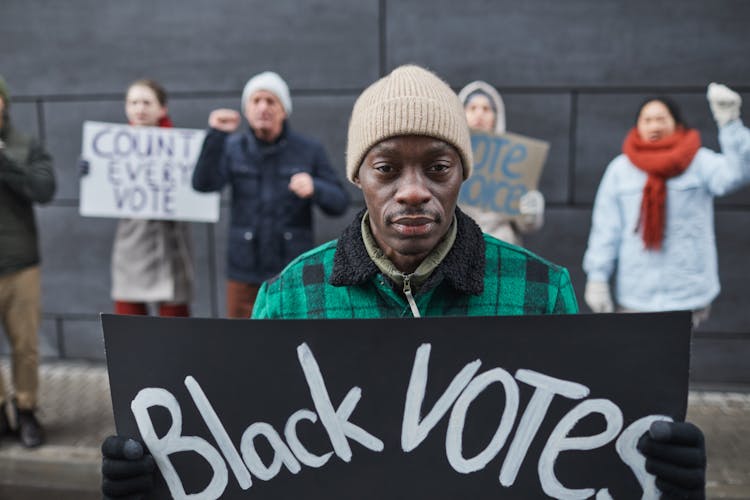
(413, 225)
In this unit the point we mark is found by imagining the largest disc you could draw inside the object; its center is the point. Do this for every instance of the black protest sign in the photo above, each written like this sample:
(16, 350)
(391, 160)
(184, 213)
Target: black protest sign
(506, 167)
(475, 407)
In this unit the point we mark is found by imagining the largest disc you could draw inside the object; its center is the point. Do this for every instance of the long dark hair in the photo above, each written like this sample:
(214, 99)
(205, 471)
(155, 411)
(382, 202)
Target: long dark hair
(671, 105)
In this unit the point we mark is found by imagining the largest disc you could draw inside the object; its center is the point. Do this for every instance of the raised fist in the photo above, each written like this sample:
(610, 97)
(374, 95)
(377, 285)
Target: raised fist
(226, 120)
(724, 102)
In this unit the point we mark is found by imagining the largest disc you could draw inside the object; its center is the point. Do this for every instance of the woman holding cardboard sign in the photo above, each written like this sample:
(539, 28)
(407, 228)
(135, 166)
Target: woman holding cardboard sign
(151, 259)
(485, 111)
(653, 214)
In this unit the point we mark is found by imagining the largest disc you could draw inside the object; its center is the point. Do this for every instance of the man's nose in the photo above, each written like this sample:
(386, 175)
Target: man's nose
(413, 189)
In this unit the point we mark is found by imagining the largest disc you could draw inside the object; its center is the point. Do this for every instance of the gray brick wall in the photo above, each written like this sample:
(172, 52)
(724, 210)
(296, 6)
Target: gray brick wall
(570, 72)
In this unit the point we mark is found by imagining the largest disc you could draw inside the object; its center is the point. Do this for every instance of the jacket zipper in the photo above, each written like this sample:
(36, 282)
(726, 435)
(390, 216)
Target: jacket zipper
(410, 297)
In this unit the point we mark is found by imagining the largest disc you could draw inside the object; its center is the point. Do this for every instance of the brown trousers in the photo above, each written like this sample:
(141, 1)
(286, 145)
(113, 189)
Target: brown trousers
(240, 299)
(20, 305)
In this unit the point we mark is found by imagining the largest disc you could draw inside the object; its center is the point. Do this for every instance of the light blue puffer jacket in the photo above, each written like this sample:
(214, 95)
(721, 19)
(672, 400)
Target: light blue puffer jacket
(683, 274)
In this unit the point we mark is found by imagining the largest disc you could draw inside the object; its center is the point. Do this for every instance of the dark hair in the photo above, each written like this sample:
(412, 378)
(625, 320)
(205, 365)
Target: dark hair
(482, 93)
(671, 105)
(161, 94)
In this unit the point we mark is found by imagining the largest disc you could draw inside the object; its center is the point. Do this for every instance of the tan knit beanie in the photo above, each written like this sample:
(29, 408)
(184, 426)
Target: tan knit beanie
(409, 101)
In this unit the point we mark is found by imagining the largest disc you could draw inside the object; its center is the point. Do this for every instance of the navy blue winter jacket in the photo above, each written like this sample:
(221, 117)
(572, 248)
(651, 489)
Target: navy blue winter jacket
(269, 224)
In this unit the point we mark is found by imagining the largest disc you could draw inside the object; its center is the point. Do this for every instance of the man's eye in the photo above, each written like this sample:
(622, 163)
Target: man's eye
(386, 169)
(439, 167)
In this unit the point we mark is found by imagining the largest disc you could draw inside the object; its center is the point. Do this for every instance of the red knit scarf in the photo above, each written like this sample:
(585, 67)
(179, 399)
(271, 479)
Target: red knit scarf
(165, 121)
(661, 160)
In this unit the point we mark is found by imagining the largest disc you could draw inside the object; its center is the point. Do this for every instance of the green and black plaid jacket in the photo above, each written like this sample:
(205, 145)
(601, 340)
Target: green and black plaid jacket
(480, 276)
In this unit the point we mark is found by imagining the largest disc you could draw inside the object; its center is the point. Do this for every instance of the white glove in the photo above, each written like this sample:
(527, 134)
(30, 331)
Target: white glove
(598, 298)
(531, 206)
(724, 103)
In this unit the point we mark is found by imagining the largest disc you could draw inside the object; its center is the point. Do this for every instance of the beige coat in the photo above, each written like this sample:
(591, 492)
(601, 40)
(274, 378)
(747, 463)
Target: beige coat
(493, 223)
(151, 262)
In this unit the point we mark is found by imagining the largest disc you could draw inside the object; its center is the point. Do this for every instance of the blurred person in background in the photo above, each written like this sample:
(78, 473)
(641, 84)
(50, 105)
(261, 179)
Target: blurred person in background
(276, 176)
(485, 112)
(653, 219)
(26, 177)
(151, 259)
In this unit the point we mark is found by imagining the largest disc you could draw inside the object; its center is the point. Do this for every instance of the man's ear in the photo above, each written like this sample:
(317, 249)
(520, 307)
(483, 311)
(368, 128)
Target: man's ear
(356, 180)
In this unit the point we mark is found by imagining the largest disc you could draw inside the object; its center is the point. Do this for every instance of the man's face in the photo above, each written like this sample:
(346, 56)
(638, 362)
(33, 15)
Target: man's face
(655, 122)
(479, 114)
(2, 110)
(265, 113)
(410, 184)
(142, 107)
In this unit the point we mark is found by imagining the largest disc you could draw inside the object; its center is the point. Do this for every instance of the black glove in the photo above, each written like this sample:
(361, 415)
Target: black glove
(676, 454)
(127, 470)
(83, 167)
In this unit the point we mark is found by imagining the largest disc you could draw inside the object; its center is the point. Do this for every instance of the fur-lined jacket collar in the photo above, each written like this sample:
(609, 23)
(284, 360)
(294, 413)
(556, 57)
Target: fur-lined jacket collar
(462, 268)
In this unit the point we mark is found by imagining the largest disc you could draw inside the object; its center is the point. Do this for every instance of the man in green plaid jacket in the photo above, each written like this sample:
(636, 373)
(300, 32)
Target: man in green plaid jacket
(412, 252)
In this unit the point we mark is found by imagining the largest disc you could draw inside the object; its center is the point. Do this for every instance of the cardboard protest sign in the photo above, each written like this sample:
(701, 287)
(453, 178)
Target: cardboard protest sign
(506, 167)
(473, 407)
(143, 173)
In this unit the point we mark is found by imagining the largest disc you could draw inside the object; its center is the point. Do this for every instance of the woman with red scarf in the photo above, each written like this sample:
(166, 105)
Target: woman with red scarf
(151, 259)
(653, 217)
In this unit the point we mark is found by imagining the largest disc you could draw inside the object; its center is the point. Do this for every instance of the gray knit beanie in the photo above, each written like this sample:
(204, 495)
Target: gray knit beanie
(271, 82)
(409, 101)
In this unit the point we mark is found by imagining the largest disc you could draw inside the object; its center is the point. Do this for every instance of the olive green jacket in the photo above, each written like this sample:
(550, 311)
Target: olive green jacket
(26, 177)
